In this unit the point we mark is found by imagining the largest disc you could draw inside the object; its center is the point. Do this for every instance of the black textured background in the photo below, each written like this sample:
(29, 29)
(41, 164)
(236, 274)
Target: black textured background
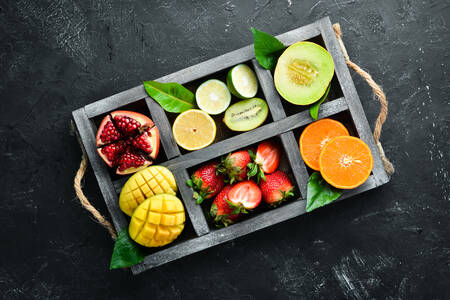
(56, 56)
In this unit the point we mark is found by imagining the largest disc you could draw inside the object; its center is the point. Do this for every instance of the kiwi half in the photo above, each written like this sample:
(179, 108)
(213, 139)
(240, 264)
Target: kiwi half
(303, 73)
(246, 115)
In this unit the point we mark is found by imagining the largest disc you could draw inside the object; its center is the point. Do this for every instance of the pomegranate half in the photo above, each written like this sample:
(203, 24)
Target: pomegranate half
(128, 141)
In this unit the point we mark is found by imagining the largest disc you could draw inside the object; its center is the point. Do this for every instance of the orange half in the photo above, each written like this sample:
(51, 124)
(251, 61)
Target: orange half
(315, 136)
(346, 162)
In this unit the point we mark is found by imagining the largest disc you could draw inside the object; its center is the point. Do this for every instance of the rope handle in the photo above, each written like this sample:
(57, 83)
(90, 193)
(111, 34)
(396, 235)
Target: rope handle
(376, 89)
(376, 135)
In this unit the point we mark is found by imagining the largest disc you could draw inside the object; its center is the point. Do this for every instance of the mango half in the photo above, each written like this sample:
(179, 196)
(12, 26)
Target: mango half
(144, 184)
(303, 73)
(157, 221)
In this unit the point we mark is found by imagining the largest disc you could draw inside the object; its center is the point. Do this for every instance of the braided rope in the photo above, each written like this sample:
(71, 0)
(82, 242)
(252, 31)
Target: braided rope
(378, 93)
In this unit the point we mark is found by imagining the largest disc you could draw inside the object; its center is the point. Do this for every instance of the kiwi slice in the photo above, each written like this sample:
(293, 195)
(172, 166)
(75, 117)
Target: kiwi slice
(246, 115)
(303, 73)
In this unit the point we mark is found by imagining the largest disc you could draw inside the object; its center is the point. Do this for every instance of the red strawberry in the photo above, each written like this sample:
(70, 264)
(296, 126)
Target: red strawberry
(245, 193)
(266, 160)
(223, 211)
(234, 166)
(206, 182)
(276, 188)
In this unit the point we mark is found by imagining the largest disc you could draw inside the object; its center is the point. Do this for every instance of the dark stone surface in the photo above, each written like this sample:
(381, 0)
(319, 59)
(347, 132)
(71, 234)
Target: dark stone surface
(56, 56)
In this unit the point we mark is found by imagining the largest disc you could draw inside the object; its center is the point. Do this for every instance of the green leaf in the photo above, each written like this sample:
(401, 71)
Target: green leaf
(189, 183)
(173, 97)
(319, 192)
(126, 252)
(267, 49)
(314, 108)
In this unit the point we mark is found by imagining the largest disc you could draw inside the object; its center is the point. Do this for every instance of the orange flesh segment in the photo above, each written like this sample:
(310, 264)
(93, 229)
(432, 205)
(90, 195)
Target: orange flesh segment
(346, 162)
(315, 136)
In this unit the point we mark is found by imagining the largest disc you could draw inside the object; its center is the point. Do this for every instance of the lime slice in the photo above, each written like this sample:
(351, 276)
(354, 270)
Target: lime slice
(241, 81)
(213, 97)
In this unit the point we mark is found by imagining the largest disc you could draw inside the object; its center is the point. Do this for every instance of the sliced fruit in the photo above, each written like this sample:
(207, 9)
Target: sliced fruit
(128, 140)
(213, 97)
(246, 115)
(194, 129)
(129, 122)
(241, 81)
(266, 160)
(206, 182)
(234, 166)
(112, 152)
(315, 136)
(131, 161)
(303, 73)
(107, 132)
(144, 184)
(277, 188)
(246, 193)
(223, 211)
(346, 162)
(157, 221)
(148, 141)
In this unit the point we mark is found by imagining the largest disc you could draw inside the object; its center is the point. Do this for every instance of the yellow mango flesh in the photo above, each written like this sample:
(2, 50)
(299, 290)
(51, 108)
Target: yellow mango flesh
(157, 221)
(144, 184)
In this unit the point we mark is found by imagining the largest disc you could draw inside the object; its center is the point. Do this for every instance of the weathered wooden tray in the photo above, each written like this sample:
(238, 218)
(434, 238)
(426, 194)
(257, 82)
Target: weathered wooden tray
(284, 123)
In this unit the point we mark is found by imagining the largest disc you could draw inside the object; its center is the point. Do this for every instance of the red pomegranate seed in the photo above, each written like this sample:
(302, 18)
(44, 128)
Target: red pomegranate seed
(130, 160)
(127, 125)
(109, 133)
(143, 142)
(113, 151)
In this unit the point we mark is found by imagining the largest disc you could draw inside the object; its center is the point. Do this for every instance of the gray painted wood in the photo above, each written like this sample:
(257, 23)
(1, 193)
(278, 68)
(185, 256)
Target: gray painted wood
(195, 212)
(351, 95)
(251, 137)
(218, 236)
(248, 138)
(165, 129)
(296, 161)
(270, 93)
(281, 126)
(87, 136)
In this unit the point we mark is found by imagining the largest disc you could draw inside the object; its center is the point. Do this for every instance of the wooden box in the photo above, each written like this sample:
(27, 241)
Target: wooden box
(285, 123)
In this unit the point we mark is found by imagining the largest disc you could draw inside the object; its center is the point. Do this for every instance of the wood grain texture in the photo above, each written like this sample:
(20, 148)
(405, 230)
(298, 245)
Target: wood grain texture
(218, 236)
(351, 95)
(165, 129)
(87, 135)
(195, 212)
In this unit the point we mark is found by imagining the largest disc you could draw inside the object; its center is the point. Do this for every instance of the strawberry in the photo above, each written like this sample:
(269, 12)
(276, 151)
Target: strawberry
(223, 211)
(206, 182)
(266, 160)
(277, 188)
(245, 193)
(234, 166)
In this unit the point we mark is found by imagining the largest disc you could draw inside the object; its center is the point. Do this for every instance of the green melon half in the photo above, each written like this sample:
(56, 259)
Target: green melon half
(303, 73)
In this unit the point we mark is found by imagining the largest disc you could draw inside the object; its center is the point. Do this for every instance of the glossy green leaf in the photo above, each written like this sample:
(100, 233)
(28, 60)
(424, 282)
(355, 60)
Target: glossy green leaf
(314, 108)
(319, 192)
(267, 49)
(173, 97)
(126, 252)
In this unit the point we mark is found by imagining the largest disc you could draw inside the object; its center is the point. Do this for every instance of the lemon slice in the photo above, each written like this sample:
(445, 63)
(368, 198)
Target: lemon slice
(241, 81)
(213, 96)
(194, 129)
